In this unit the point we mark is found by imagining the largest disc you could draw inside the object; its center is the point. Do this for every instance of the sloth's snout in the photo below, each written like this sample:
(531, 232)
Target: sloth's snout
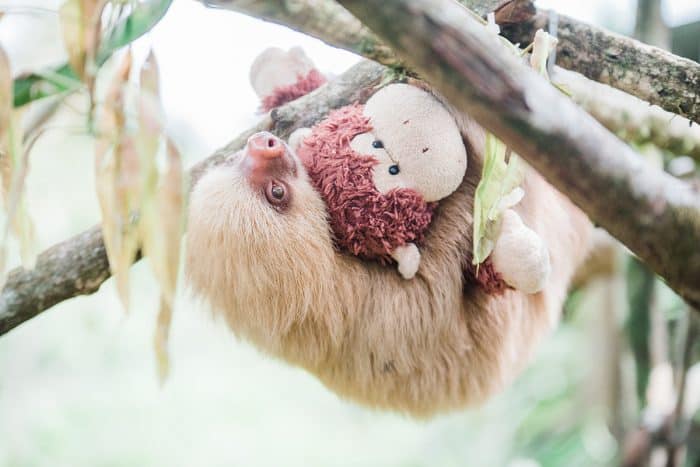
(265, 146)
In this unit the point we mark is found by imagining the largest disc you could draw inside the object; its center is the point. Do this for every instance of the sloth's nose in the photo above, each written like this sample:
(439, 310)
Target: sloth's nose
(265, 145)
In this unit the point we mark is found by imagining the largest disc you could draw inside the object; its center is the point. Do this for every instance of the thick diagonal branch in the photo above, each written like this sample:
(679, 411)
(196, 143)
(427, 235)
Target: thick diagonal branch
(78, 266)
(621, 113)
(652, 213)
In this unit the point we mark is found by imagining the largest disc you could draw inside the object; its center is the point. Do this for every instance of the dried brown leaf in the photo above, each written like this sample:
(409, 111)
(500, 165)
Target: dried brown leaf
(148, 137)
(160, 340)
(6, 98)
(161, 233)
(81, 24)
(171, 202)
(14, 165)
(118, 182)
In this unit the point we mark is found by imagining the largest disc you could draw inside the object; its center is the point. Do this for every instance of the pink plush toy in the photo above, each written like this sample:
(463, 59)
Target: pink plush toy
(382, 168)
(380, 176)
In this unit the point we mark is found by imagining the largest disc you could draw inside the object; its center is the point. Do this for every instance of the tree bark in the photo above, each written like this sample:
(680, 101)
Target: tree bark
(630, 118)
(330, 22)
(652, 213)
(79, 266)
(650, 73)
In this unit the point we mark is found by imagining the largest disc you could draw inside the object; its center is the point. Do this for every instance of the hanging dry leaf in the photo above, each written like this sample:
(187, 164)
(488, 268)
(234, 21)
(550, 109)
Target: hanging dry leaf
(14, 166)
(6, 129)
(81, 24)
(148, 136)
(160, 340)
(118, 183)
(161, 233)
(171, 209)
(6, 97)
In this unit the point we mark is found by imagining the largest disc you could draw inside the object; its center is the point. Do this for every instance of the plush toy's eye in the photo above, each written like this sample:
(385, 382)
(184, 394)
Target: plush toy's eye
(377, 144)
(393, 169)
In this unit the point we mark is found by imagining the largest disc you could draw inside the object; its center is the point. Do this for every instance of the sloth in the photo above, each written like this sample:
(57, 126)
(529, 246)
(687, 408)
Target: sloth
(261, 252)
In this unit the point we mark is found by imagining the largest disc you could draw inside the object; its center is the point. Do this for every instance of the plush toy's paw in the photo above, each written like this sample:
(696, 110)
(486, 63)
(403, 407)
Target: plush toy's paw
(520, 255)
(408, 258)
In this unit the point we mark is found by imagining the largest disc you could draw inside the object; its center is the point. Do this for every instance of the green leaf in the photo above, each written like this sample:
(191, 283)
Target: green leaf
(63, 78)
(143, 17)
(498, 190)
(35, 86)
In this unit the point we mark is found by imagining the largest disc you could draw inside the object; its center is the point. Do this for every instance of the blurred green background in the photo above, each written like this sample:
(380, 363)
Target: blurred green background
(78, 384)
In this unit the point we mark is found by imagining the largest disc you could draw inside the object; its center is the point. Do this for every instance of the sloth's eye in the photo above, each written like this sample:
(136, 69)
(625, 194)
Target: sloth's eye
(393, 169)
(377, 144)
(277, 194)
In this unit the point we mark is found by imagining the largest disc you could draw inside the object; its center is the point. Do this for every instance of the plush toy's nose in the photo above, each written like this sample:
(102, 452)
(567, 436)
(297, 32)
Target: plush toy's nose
(264, 145)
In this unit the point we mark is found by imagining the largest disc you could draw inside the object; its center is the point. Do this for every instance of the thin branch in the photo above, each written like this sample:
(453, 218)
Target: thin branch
(328, 21)
(650, 73)
(631, 118)
(78, 266)
(652, 213)
(322, 19)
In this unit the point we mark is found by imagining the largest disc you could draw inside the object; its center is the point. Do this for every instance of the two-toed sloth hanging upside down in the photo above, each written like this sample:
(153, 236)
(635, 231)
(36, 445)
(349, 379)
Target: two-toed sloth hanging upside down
(261, 252)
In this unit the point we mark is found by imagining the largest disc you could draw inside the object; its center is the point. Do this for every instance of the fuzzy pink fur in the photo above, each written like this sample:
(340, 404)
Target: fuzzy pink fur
(283, 94)
(365, 222)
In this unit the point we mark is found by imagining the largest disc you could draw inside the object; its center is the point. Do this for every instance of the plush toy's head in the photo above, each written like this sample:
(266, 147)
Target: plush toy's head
(380, 168)
(415, 141)
(368, 223)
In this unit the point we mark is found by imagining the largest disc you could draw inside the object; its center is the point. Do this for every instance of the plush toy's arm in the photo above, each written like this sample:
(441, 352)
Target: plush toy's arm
(520, 256)
(408, 258)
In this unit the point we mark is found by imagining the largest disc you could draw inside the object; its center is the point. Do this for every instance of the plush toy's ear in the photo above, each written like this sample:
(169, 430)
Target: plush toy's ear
(279, 77)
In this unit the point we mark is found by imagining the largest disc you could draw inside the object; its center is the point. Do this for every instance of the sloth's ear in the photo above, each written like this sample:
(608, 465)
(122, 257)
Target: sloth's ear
(296, 138)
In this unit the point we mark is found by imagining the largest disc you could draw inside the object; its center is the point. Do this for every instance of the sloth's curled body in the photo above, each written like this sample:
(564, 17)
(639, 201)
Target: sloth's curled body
(260, 251)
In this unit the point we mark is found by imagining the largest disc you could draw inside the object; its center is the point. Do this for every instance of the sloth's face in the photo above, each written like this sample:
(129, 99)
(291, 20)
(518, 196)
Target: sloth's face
(258, 242)
(256, 214)
(260, 195)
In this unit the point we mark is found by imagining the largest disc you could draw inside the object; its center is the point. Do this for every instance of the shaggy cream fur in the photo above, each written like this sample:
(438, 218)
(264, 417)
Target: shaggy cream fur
(429, 345)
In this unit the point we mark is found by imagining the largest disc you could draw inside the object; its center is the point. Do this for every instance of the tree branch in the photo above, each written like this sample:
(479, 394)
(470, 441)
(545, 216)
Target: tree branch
(650, 73)
(78, 266)
(631, 118)
(652, 213)
(621, 113)
(328, 21)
